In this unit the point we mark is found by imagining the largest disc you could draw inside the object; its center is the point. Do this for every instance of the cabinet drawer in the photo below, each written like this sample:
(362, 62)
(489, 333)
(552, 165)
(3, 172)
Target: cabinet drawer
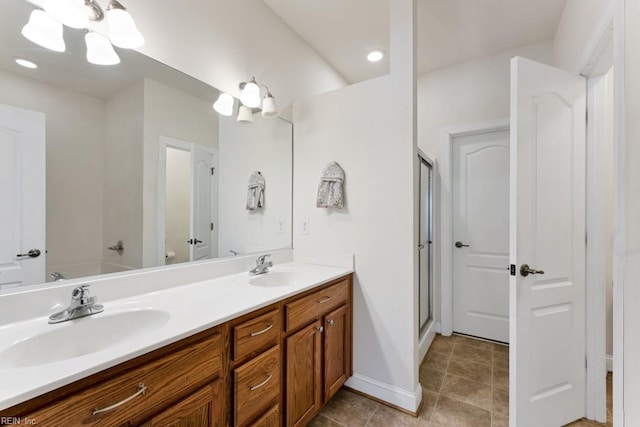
(256, 385)
(257, 333)
(169, 377)
(270, 419)
(306, 309)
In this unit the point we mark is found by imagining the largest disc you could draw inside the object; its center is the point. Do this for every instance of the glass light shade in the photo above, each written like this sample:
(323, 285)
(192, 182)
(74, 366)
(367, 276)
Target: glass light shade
(122, 30)
(269, 107)
(99, 50)
(250, 95)
(245, 114)
(224, 104)
(45, 31)
(71, 13)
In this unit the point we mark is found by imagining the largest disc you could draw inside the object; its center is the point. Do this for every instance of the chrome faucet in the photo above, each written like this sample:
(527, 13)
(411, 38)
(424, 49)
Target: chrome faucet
(57, 276)
(82, 304)
(262, 265)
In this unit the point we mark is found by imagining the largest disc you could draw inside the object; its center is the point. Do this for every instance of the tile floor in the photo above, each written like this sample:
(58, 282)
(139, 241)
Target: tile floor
(465, 383)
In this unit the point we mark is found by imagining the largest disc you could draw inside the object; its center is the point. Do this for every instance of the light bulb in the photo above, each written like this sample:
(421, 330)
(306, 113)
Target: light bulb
(375, 55)
(224, 104)
(71, 13)
(99, 50)
(250, 95)
(45, 31)
(122, 30)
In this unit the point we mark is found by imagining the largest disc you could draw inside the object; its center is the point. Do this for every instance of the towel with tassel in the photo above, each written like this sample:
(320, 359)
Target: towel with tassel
(330, 191)
(255, 193)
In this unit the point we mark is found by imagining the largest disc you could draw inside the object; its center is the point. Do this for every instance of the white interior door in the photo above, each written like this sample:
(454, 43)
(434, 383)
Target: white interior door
(22, 197)
(480, 254)
(202, 204)
(547, 232)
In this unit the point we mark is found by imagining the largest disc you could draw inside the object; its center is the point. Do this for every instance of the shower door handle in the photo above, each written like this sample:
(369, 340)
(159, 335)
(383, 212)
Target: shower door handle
(420, 246)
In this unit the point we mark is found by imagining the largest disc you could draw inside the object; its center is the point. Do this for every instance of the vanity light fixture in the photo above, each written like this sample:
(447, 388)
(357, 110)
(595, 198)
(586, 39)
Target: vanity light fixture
(224, 104)
(71, 13)
(45, 31)
(122, 30)
(250, 93)
(99, 50)
(25, 63)
(45, 28)
(375, 55)
(269, 107)
(245, 114)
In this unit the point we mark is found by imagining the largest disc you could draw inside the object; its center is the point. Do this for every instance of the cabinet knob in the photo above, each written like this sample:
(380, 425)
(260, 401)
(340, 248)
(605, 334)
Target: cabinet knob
(331, 321)
(320, 329)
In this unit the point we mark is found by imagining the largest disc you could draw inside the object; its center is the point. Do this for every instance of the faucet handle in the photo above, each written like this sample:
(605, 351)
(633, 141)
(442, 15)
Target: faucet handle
(262, 258)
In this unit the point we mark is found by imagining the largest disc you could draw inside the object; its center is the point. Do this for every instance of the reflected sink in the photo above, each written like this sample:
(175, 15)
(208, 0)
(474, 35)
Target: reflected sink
(279, 278)
(81, 336)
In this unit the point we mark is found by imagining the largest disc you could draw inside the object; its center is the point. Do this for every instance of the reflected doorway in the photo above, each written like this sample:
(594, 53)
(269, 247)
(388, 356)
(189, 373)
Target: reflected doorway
(425, 245)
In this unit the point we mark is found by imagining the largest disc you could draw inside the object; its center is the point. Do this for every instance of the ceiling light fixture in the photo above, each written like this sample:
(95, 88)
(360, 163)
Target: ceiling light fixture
(99, 50)
(45, 31)
(224, 104)
(375, 55)
(25, 63)
(45, 28)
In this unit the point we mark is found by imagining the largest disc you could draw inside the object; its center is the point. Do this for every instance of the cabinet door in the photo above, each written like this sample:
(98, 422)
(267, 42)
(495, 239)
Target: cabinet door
(203, 408)
(304, 376)
(337, 350)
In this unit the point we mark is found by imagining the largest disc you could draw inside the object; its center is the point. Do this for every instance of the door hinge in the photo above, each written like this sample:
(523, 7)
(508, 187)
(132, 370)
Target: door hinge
(211, 226)
(213, 170)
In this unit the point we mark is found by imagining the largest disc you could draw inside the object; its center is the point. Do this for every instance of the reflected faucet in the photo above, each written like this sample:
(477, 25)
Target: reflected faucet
(82, 304)
(57, 276)
(262, 265)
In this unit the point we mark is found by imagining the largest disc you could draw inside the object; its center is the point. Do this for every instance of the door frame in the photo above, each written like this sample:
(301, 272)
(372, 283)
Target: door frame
(446, 211)
(425, 340)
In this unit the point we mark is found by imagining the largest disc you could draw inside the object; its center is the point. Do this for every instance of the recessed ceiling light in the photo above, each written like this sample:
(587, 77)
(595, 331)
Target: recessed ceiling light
(375, 55)
(26, 64)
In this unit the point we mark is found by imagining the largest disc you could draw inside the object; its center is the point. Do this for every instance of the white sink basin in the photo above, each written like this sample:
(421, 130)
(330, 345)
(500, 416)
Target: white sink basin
(81, 336)
(279, 278)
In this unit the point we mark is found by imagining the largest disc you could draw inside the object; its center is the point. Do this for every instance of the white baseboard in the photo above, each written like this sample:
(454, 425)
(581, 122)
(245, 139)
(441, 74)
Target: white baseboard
(386, 392)
(609, 363)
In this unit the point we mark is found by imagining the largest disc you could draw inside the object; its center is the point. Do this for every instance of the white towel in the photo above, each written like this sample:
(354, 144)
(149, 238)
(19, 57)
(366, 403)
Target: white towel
(255, 191)
(330, 191)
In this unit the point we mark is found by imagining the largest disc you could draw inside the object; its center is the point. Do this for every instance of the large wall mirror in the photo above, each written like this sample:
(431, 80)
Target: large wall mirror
(140, 170)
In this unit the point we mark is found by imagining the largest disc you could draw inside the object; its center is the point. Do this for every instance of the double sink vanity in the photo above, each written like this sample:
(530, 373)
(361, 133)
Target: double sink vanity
(207, 346)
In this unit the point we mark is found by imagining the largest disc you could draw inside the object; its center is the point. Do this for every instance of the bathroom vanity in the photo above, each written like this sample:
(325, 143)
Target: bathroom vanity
(273, 363)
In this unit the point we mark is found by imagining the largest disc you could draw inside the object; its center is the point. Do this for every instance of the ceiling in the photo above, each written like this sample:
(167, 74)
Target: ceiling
(449, 31)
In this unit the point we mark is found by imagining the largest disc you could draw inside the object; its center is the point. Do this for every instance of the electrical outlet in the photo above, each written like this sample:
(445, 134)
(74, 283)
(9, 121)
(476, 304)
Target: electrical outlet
(305, 226)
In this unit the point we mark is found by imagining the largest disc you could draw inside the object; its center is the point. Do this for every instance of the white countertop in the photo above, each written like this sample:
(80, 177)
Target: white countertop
(192, 308)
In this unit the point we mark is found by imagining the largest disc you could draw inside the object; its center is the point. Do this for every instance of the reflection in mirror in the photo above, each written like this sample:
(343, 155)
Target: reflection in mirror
(108, 169)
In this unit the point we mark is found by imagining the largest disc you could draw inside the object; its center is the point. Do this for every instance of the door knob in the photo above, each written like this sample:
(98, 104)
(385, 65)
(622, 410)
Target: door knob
(33, 253)
(459, 245)
(525, 270)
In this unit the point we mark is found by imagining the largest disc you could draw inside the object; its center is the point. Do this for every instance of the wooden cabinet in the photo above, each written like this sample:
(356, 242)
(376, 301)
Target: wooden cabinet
(202, 408)
(318, 356)
(272, 367)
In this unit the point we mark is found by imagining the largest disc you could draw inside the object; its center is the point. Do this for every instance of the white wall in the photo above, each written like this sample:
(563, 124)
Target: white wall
(266, 146)
(74, 142)
(175, 114)
(627, 244)
(123, 177)
(368, 128)
(178, 218)
(225, 42)
(578, 31)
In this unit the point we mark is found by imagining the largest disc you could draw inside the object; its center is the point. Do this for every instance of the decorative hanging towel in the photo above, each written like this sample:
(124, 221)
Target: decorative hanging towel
(330, 193)
(255, 193)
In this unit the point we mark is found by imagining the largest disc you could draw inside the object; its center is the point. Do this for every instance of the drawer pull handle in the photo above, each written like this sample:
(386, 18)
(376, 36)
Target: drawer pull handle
(257, 386)
(323, 300)
(255, 334)
(141, 389)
